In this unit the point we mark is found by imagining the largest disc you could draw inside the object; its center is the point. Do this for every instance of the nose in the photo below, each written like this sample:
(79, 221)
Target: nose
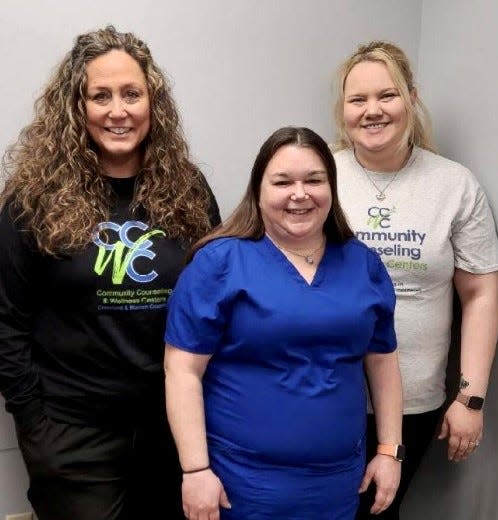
(117, 108)
(299, 192)
(373, 108)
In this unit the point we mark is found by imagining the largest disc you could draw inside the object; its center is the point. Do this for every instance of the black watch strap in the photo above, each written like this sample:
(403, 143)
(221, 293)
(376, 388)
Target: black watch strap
(474, 402)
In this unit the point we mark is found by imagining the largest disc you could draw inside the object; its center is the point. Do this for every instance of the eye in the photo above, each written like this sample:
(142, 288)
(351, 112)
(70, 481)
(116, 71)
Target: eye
(389, 95)
(281, 183)
(132, 95)
(100, 97)
(357, 101)
(314, 181)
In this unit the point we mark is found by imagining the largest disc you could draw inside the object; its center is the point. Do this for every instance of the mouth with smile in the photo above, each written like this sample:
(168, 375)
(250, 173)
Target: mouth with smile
(302, 211)
(374, 126)
(118, 130)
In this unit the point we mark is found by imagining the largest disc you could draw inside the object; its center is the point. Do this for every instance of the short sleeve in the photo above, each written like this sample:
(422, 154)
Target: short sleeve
(384, 337)
(474, 239)
(197, 307)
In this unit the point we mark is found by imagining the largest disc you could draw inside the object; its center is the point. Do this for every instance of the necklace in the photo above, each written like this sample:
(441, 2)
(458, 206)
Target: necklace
(308, 257)
(381, 195)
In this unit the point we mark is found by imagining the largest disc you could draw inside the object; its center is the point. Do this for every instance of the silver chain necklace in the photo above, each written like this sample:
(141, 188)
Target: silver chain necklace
(307, 257)
(381, 195)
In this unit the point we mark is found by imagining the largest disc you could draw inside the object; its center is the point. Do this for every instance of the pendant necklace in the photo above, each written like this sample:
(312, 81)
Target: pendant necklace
(381, 193)
(308, 257)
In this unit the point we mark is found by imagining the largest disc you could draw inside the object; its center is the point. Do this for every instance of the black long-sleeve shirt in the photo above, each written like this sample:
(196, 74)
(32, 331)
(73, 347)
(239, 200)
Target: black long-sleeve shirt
(81, 336)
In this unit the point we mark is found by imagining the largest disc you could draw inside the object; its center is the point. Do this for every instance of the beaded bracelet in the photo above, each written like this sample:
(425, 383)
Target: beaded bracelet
(196, 470)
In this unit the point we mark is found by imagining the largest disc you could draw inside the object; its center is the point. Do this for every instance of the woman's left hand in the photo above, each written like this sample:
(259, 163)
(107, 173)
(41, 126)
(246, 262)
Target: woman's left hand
(463, 429)
(386, 473)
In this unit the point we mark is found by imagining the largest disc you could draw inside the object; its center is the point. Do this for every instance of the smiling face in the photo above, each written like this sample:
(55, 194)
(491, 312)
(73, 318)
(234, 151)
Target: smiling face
(375, 115)
(295, 197)
(118, 111)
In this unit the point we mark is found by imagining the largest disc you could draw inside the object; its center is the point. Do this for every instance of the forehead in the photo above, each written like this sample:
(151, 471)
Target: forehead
(115, 65)
(368, 75)
(292, 158)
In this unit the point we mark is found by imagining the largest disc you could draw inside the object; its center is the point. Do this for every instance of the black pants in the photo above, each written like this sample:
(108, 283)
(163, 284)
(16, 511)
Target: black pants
(418, 431)
(80, 472)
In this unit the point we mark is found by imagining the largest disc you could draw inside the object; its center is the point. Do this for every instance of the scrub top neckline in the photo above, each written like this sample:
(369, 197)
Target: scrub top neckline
(280, 257)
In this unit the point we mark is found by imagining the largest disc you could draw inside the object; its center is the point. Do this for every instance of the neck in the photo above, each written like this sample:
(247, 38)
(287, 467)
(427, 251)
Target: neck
(120, 167)
(385, 161)
(304, 245)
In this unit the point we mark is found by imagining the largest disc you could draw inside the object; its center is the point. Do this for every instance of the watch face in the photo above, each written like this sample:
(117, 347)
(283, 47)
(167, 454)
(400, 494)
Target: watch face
(400, 452)
(475, 402)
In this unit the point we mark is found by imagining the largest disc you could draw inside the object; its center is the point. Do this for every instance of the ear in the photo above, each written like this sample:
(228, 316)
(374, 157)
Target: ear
(413, 95)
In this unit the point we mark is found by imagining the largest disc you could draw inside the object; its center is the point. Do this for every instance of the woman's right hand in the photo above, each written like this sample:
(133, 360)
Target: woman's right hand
(203, 494)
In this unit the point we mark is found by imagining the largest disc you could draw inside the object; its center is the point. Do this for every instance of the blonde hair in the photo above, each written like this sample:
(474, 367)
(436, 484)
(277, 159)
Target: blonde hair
(418, 131)
(53, 177)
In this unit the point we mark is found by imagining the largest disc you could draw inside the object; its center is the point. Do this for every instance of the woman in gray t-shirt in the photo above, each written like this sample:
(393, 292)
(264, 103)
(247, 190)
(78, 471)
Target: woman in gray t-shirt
(429, 220)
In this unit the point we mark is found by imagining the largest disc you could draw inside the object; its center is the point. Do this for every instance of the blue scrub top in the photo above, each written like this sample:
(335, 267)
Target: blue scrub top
(285, 384)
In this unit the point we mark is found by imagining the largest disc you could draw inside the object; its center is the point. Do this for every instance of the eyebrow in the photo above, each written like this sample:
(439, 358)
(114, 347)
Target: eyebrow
(98, 86)
(383, 91)
(309, 174)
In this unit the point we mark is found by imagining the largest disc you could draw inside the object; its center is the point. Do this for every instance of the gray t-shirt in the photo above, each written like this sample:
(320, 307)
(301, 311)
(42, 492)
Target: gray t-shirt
(434, 218)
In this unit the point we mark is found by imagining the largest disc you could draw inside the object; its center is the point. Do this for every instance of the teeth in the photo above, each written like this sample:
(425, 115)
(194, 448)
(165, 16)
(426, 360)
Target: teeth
(377, 125)
(118, 131)
(299, 211)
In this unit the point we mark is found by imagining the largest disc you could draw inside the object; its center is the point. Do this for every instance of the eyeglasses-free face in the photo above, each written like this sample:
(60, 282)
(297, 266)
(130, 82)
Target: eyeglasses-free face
(295, 197)
(118, 111)
(375, 115)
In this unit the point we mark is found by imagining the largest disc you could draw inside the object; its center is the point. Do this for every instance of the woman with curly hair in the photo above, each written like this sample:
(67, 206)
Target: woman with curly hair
(99, 206)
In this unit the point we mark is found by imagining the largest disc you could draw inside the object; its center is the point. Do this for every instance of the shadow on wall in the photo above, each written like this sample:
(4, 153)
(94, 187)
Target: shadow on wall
(437, 483)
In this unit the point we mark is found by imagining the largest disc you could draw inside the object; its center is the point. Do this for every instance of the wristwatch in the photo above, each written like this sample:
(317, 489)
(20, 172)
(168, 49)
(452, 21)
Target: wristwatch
(474, 402)
(396, 451)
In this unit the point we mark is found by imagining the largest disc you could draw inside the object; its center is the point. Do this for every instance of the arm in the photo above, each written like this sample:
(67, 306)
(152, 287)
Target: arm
(478, 295)
(18, 379)
(202, 491)
(385, 389)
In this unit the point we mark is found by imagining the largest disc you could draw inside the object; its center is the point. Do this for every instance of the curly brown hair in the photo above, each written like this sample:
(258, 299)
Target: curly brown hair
(53, 177)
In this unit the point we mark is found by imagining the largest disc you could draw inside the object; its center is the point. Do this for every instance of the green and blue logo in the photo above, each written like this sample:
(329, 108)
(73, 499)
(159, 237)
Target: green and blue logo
(122, 253)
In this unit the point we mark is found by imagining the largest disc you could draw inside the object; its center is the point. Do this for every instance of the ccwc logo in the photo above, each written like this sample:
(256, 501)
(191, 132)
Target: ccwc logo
(122, 253)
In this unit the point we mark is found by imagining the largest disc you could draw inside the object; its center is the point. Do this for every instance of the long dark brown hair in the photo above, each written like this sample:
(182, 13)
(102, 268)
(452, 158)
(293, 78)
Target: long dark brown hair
(246, 220)
(53, 177)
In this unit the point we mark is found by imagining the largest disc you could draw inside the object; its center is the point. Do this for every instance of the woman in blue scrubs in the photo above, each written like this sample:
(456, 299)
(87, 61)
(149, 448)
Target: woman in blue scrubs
(269, 329)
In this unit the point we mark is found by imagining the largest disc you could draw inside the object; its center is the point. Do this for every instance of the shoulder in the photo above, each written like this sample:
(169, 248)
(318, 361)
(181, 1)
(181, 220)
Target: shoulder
(363, 263)
(223, 251)
(435, 164)
(344, 158)
(355, 246)
(11, 222)
(358, 252)
(18, 243)
(355, 249)
(225, 246)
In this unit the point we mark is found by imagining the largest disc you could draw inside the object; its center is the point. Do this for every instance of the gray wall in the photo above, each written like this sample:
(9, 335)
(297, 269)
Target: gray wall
(458, 75)
(241, 69)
